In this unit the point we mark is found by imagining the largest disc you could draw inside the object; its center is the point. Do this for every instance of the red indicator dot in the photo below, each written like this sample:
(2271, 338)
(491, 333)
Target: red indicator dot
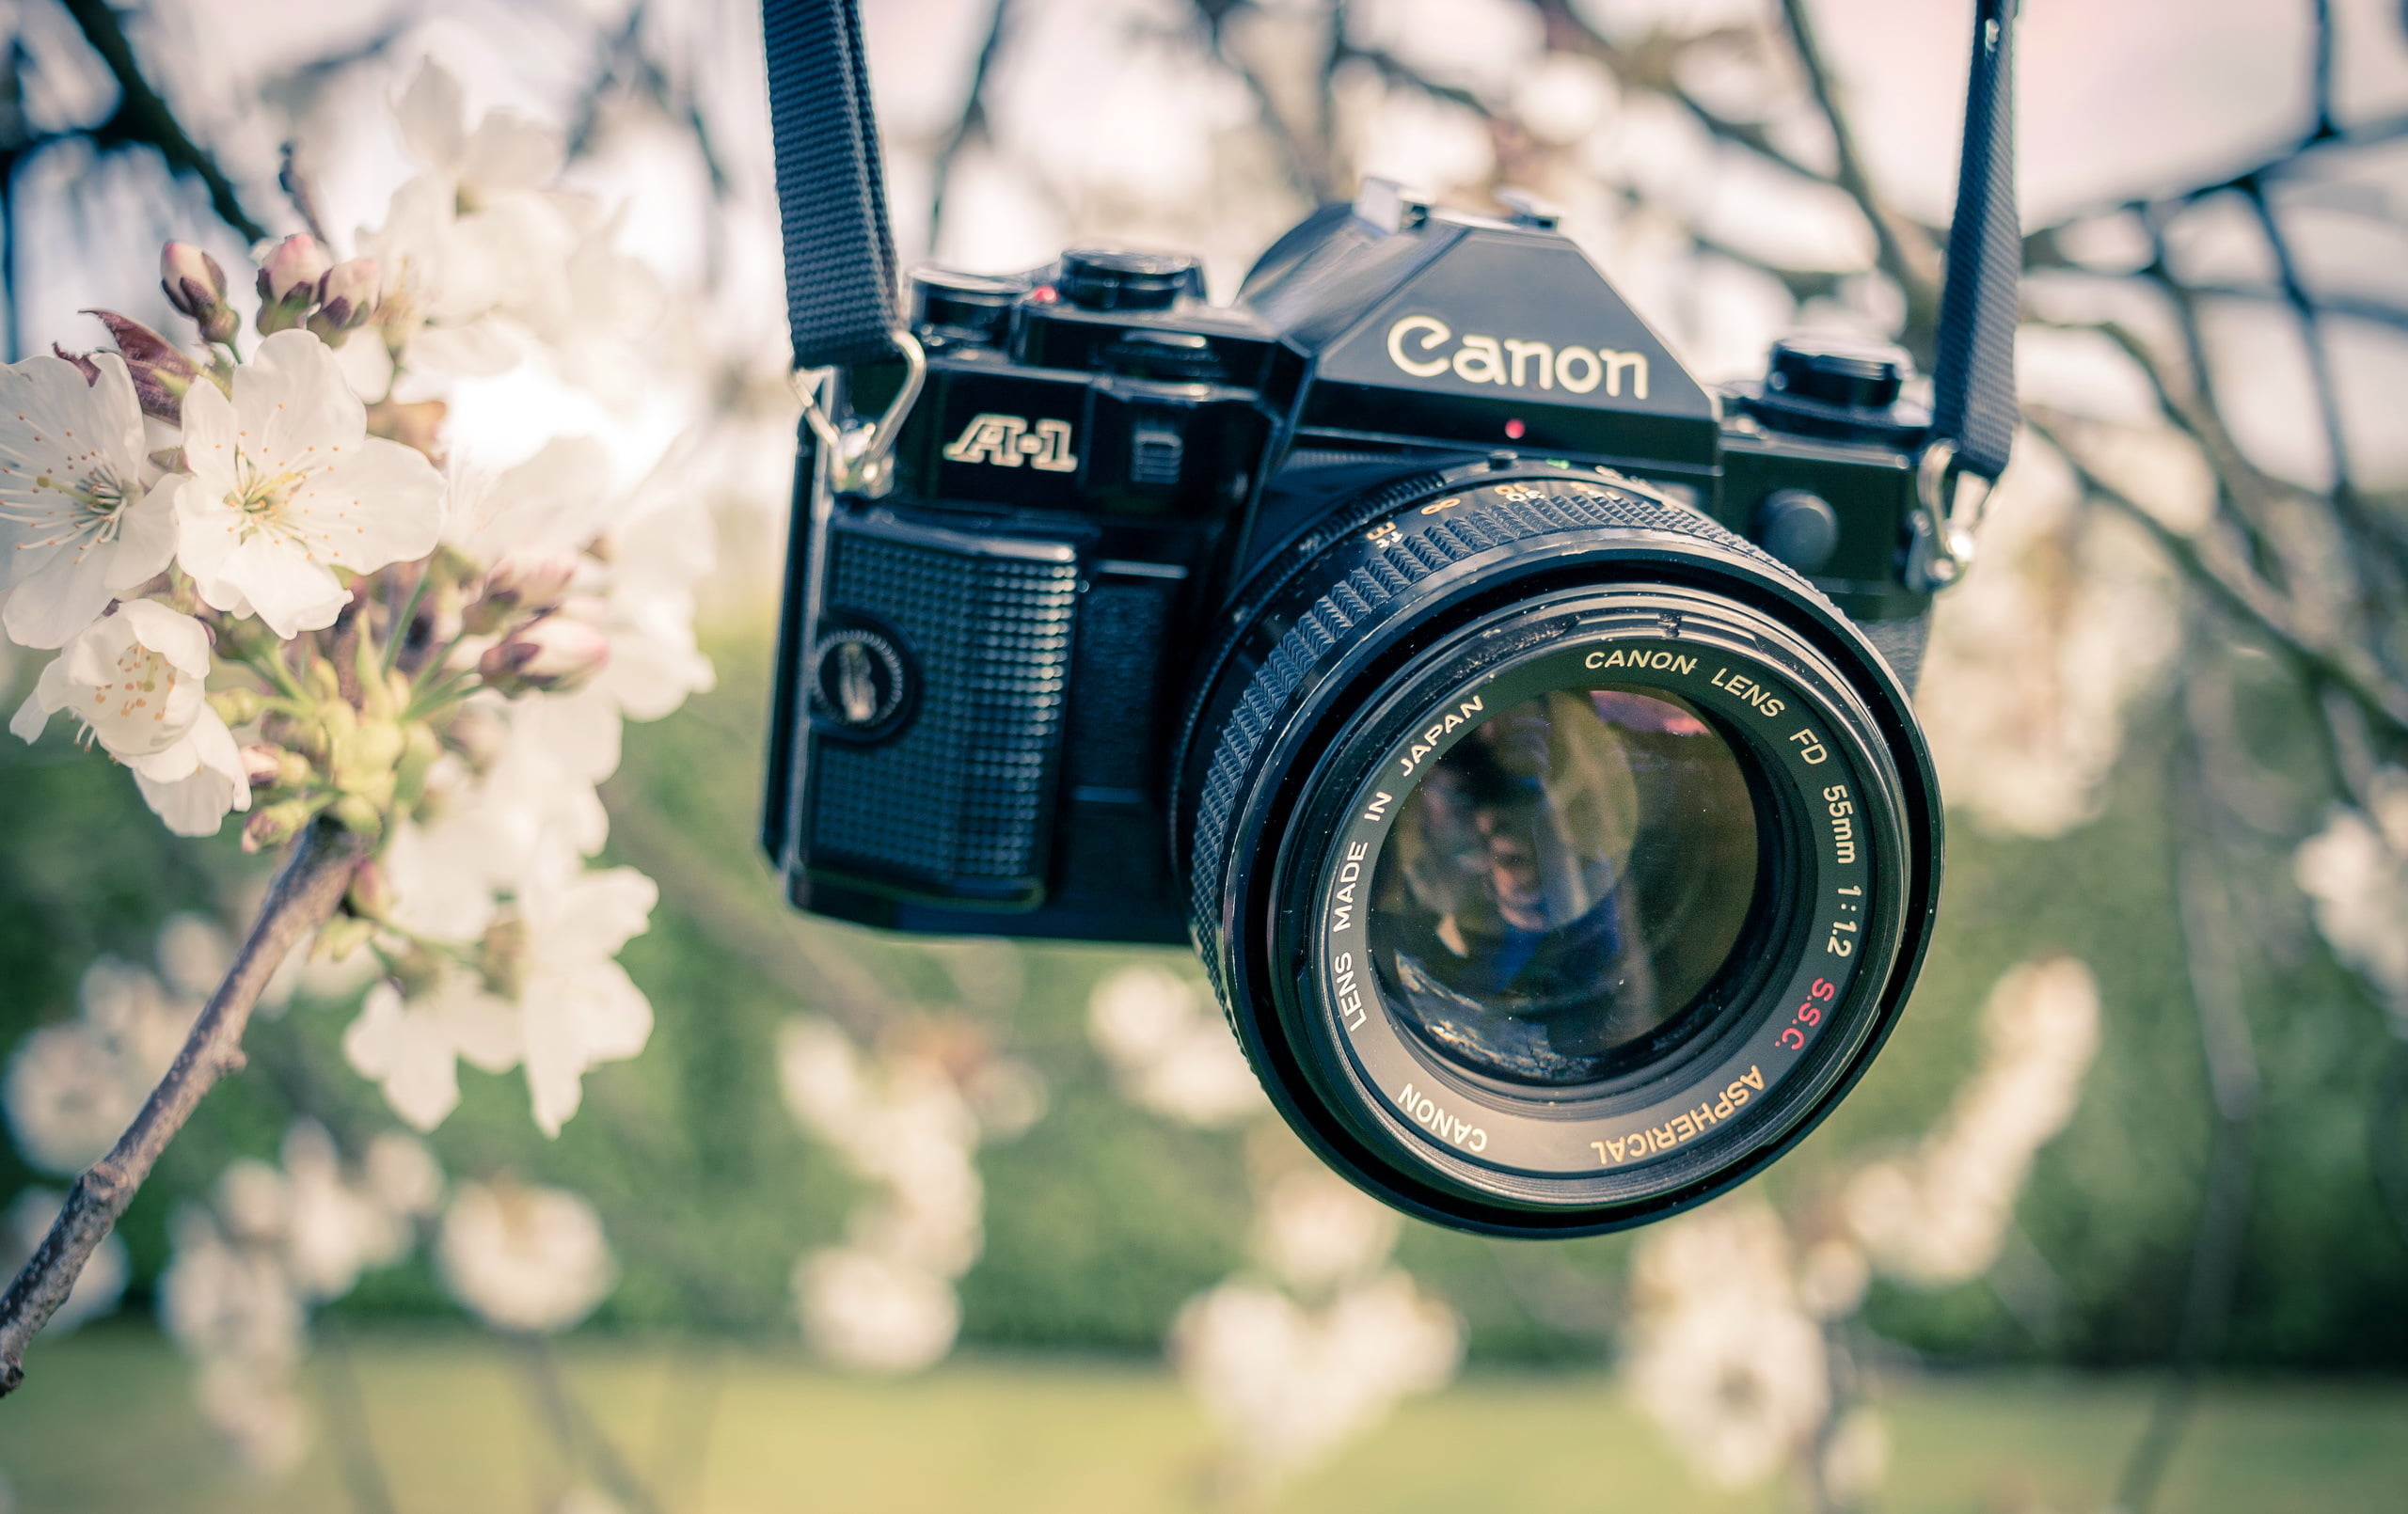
(1513, 430)
(1043, 295)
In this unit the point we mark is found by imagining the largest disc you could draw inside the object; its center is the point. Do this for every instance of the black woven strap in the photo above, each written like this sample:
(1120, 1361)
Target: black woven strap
(1973, 371)
(831, 189)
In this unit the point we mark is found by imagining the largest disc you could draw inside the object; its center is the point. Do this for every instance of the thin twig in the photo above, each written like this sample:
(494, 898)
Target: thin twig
(301, 898)
(2345, 499)
(142, 116)
(1915, 268)
(2249, 599)
(347, 1416)
(580, 1438)
(747, 922)
(2230, 1059)
(969, 123)
(2387, 1141)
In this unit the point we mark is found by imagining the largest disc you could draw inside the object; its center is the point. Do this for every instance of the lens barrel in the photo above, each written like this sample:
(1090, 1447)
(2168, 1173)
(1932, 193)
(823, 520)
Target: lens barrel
(1559, 858)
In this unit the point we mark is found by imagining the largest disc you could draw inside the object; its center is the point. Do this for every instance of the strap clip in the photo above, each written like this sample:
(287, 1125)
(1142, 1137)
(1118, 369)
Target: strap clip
(1951, 501)
(860, 456)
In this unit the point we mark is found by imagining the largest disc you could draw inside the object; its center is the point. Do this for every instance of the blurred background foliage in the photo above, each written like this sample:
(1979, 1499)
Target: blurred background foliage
(1103, 1219)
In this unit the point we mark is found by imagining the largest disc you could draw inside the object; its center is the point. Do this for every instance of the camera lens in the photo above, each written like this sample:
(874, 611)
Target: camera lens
(1559, 858)
(1563, 883)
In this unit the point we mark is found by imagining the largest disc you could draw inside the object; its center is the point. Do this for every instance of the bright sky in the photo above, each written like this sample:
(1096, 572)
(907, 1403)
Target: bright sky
(2118, 97)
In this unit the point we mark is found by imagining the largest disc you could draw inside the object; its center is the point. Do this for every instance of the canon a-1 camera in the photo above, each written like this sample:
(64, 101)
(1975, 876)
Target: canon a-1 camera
(1518, 729)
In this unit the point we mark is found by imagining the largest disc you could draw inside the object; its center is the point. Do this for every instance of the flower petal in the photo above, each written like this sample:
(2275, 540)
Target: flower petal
(53, 606)
(407, 1053)
(146, 537)
(180, 638)
(49, 693)
(293, 409)
(429, 113)
(508, 151)
(281, 585)
(382, 504)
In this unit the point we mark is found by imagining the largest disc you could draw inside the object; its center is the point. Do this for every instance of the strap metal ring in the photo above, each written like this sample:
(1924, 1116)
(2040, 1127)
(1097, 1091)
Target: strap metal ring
(861, 457)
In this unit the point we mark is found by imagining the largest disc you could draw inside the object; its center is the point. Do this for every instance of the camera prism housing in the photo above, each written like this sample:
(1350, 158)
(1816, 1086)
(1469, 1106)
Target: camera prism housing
(1518, 728)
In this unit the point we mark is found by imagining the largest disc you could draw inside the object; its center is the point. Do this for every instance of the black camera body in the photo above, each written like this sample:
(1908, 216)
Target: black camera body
(989, 674)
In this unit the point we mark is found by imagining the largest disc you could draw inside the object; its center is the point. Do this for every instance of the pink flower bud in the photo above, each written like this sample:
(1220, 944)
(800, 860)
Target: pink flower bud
(530, 583)
(371, 892)
(346, 298)
(196, 285)
(294, 268)
(276, 824)
(553, 652)
(263, 765)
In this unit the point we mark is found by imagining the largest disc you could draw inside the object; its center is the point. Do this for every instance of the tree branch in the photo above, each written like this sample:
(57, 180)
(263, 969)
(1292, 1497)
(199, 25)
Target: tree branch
(142, 116)
(1916, 268)
(970, 122)
(579, 1435)
(301, 898)
(2248, 598)
(2207, 933)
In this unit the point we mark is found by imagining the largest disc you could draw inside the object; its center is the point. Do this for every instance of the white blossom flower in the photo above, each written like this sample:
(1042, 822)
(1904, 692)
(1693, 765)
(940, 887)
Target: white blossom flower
(2033, 659)
(1720, 1351)
(98, 1287)
(403, 1175)
(193, 954)
(875, 1313)
(1856, 1457)
(524, 1259)
(1170, 1048)
(68, 1099)
(541, 256)
(633, 560)
(532, 810)
(884, 1301)
(1316, 1232)
(137, 1017)
(230, 1305)
(904, 1124)
(2355, 872)
(219, 1299)
(1939, 1215)
(334, 1228)
(1739, 1384)
(79, 524)
(567, 1008)
(135, 678)
(74, 1087)
(482, 257)
(285, 485)
(412, 1047)
(256, 1410)
(505, 154)
(1289, 1385)
(578, 1006)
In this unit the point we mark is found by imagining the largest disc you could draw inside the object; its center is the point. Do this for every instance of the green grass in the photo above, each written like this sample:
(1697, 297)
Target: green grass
(106, 1424)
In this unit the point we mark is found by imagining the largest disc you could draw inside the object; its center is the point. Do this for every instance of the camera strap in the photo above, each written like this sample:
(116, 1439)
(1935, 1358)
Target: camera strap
(841, 306)
(1974, 413)
(1974, 367)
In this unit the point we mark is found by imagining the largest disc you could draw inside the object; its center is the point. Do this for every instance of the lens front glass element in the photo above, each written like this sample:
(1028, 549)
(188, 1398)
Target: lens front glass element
(1563, 883)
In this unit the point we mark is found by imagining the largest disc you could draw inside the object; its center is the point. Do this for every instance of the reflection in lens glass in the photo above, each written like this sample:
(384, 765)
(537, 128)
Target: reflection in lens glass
(1563, 882)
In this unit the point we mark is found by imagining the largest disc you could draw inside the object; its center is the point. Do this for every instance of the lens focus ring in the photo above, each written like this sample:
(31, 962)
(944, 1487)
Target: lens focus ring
(1359, 585)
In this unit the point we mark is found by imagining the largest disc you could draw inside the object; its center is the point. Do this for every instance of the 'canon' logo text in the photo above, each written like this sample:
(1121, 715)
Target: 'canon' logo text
(1418, 344)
